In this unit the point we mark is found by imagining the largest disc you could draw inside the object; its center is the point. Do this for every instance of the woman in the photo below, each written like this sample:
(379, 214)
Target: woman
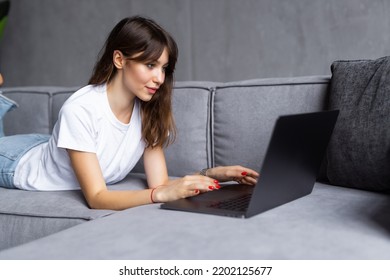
(104, 128)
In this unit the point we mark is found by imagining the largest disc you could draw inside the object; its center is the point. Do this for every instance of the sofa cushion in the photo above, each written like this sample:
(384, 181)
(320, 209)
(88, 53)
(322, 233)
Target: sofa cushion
(331, 223)
(359, 151)
(245, 113)
(58, 99)
(28, 215)
(33, 114)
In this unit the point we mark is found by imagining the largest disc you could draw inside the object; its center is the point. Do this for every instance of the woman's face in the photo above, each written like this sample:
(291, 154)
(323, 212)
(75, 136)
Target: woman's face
(1, 79)
(144, 79)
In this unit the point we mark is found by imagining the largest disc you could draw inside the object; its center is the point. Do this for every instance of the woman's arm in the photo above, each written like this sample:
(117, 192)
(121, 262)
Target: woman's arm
(167, 190)
(88, 172)
(157, 176)
(155, 167)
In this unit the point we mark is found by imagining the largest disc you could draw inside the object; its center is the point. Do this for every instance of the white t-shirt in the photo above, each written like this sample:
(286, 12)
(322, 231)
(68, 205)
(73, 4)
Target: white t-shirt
(85, 123)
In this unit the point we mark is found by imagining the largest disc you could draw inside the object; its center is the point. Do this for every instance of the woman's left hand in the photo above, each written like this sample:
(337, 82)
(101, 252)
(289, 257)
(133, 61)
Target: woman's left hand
(236, 173)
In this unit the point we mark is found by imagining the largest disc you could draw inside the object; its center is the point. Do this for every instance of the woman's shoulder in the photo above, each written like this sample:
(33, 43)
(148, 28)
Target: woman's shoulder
(87, 99)
(87, 94)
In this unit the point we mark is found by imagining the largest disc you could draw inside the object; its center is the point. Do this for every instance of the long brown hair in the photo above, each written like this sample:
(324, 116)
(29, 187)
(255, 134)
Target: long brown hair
(132, 36)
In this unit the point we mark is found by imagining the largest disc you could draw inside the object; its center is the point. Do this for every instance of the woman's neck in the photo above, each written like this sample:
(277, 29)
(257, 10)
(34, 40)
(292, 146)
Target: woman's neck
(121, 102)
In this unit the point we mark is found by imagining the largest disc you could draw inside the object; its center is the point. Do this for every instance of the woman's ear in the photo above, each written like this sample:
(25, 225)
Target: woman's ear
(118, 59)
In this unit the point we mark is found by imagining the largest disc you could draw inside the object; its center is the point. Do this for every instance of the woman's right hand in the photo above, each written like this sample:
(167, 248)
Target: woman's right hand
(187, 186)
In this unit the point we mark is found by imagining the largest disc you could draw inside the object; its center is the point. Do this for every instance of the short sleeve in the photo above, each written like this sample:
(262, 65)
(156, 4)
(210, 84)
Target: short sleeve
(77, 128)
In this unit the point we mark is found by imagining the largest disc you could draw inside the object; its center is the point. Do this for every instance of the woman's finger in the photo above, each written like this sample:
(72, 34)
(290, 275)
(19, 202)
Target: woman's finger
(200, 183)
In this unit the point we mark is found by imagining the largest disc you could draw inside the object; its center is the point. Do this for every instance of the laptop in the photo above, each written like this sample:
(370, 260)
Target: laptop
(289, 170)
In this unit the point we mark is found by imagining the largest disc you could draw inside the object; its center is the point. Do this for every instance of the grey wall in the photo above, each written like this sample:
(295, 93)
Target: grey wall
(55, 42)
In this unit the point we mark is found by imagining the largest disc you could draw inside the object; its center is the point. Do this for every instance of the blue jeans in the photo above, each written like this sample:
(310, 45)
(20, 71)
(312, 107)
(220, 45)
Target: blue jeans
(12, 148)
(6, 105)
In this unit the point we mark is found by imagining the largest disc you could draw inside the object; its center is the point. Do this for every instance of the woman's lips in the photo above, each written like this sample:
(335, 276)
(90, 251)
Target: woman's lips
(151, 90)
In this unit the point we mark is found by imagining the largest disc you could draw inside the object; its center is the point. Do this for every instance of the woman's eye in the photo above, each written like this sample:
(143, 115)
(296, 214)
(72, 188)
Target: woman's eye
(150, 65)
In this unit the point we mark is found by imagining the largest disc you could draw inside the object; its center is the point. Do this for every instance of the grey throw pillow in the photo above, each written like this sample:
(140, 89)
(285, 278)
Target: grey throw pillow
(358, 154)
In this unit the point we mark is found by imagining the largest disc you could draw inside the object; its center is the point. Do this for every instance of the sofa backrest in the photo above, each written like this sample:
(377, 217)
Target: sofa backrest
(217, 123)
(244, 114)
(38, 108)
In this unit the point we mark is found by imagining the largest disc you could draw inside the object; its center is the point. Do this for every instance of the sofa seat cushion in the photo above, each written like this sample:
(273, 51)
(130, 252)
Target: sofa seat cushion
(359, 151)
(331, 223)
(28, 215)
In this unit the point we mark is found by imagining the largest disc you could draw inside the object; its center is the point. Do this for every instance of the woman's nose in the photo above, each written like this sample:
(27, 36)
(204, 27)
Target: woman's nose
(159, 76)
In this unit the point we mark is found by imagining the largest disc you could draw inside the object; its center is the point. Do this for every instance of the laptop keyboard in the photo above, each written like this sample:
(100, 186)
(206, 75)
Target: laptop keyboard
(239, 203)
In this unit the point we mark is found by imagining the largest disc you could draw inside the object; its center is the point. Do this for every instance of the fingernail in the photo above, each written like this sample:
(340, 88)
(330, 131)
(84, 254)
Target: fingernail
(196, 191)
(211, 187)
(218, 187)
(216, 181)
(244, 173)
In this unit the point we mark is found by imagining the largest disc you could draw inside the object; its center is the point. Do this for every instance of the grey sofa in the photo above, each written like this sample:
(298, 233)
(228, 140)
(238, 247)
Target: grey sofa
(218, 124)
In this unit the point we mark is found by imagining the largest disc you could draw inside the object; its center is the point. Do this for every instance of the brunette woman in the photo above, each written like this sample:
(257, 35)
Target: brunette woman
(104, 128)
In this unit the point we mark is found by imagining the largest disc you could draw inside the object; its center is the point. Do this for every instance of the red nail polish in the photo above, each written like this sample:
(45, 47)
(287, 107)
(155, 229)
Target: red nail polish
(216, 181)
(211, 187)
(218, 187)
(244, 173)
(196, 191)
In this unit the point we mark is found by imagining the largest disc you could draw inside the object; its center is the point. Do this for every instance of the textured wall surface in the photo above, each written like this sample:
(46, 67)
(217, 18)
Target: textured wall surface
(56, 42)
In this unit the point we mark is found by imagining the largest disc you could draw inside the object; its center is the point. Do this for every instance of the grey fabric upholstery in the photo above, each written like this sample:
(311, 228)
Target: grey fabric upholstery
(27, 215)
(37, 111)
(58, 98)
(218, 124)
(359, 151)
(331, 223)
(34, 116)
(245, 113)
